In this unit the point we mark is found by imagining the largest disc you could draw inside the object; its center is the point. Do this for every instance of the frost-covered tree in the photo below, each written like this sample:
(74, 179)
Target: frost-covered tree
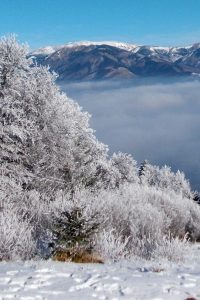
(174, 181)
(141, 170)
(42, 131)
(15, 127)
(126, 168)
(148, 174)
(13, 61)
(164, 179)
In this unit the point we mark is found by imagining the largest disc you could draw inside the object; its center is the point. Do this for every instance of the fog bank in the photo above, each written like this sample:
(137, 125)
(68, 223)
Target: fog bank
(157, 121)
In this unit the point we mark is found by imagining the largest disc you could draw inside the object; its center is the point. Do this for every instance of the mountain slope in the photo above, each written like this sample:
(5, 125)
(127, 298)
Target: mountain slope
(102, 60)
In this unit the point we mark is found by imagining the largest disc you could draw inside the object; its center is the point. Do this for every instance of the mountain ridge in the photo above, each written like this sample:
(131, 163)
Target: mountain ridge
(110, 60)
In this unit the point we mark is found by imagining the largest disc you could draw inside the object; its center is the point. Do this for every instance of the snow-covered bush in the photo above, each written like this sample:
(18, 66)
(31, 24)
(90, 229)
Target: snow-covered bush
(111, 245)
(171, 249)
(16, 234)
(137, 221)
(145, 217)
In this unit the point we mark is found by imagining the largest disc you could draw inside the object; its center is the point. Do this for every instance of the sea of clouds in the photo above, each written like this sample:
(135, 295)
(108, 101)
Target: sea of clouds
(155, 120)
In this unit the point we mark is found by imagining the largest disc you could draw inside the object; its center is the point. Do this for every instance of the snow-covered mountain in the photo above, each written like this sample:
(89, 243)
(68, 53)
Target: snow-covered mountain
(101, 60)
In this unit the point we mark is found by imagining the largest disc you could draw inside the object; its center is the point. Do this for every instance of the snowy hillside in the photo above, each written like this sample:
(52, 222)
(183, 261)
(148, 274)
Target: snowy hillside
(64, 199)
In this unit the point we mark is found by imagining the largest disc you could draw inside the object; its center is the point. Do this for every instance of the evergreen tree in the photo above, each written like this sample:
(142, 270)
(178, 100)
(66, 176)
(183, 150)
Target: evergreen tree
(141, 171)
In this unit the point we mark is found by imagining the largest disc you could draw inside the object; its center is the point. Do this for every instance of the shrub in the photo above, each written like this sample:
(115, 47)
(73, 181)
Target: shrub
(16, 234)
(111, 245)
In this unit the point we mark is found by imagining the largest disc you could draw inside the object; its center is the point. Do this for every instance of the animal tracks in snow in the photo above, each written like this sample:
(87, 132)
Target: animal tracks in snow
(62, 281)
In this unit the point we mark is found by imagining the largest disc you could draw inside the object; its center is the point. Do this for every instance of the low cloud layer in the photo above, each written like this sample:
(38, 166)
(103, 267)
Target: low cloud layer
(155, 121)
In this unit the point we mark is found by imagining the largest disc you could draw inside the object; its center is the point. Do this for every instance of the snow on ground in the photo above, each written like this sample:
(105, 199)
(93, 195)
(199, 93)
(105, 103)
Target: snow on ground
(63, 281)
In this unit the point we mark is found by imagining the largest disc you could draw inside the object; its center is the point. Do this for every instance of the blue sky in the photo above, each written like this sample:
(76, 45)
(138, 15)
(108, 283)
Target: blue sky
(48, 22)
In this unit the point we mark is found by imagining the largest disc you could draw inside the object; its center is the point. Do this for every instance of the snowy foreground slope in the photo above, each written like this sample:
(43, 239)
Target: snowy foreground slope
(62, 281)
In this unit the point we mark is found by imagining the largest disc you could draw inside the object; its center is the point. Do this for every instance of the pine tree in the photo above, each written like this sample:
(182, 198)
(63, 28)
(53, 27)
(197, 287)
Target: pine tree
(142, 167)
